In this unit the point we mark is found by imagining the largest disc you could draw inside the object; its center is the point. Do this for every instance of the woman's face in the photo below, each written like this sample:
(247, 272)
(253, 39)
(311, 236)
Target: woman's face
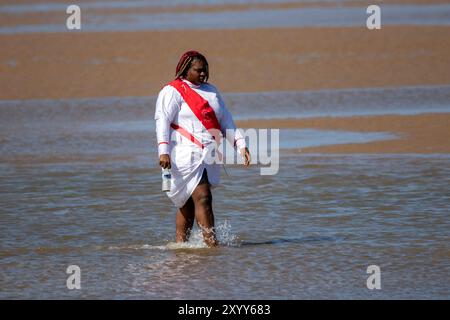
(197, 72)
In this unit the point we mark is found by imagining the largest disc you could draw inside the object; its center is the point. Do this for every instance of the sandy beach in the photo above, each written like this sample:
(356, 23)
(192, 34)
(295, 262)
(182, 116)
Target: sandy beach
(137, 64)
(71, 65)
(423, 134)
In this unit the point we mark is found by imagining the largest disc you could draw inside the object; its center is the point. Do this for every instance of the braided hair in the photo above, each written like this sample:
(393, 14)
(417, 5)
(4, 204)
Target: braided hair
(186, 62)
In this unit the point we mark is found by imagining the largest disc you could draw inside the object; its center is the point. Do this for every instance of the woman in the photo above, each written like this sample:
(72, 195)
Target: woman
(189, 114)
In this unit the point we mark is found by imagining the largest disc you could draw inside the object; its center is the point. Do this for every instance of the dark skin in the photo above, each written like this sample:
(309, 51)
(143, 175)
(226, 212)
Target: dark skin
(199, 205)
(197, 73)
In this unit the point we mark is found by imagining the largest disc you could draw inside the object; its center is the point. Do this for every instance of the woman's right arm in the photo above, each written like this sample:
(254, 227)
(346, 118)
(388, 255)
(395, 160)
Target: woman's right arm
(166, 109)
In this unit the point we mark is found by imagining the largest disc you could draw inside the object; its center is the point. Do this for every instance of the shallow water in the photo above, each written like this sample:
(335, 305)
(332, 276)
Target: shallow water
(80, 186)
(308, 232)
(129, 4)
(136, 113)
(255, 18)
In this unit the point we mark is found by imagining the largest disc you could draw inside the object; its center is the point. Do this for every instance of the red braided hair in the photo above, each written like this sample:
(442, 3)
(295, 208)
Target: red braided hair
(185, 63)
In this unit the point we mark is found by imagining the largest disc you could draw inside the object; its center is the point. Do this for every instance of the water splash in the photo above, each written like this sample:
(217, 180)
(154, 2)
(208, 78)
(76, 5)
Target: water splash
(195, 242)
(224, 234)
(137, 247)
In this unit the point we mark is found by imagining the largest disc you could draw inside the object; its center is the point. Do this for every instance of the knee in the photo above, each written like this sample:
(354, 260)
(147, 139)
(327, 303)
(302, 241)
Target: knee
(204, 198)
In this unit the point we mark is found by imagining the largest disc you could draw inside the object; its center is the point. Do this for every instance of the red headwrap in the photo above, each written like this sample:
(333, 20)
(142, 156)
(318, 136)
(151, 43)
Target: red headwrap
(185, 56)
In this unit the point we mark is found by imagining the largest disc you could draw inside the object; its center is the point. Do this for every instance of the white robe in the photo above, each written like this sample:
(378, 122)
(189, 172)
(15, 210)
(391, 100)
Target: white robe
(188, 159)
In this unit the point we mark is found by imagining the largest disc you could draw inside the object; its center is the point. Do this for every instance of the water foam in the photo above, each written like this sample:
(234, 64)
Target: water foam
(224, 234)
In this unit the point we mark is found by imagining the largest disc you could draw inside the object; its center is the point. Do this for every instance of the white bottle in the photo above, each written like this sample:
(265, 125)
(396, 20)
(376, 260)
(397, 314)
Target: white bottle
(166, 176)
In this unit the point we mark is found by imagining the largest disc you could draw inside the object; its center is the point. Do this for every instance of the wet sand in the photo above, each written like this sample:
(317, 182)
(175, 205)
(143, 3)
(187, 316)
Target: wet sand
(71, 65)
(422, 134)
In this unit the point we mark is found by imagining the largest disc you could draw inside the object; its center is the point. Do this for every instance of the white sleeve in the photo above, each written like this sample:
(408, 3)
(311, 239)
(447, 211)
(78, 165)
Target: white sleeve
(167, 106)
(233, 135)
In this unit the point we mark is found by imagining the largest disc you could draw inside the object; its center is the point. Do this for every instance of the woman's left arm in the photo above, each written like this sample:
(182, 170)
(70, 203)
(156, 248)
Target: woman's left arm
(233, 135)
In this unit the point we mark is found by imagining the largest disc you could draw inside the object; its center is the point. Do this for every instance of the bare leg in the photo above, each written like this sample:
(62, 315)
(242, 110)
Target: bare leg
(185, 221)
(202, 198)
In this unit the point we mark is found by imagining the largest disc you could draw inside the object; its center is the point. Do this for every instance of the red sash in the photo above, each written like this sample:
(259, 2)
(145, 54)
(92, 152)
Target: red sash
(186, 134)
(202, 110)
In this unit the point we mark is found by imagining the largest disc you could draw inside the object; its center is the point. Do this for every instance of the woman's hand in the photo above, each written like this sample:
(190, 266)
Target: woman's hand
(164, 161)
(246, 155)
